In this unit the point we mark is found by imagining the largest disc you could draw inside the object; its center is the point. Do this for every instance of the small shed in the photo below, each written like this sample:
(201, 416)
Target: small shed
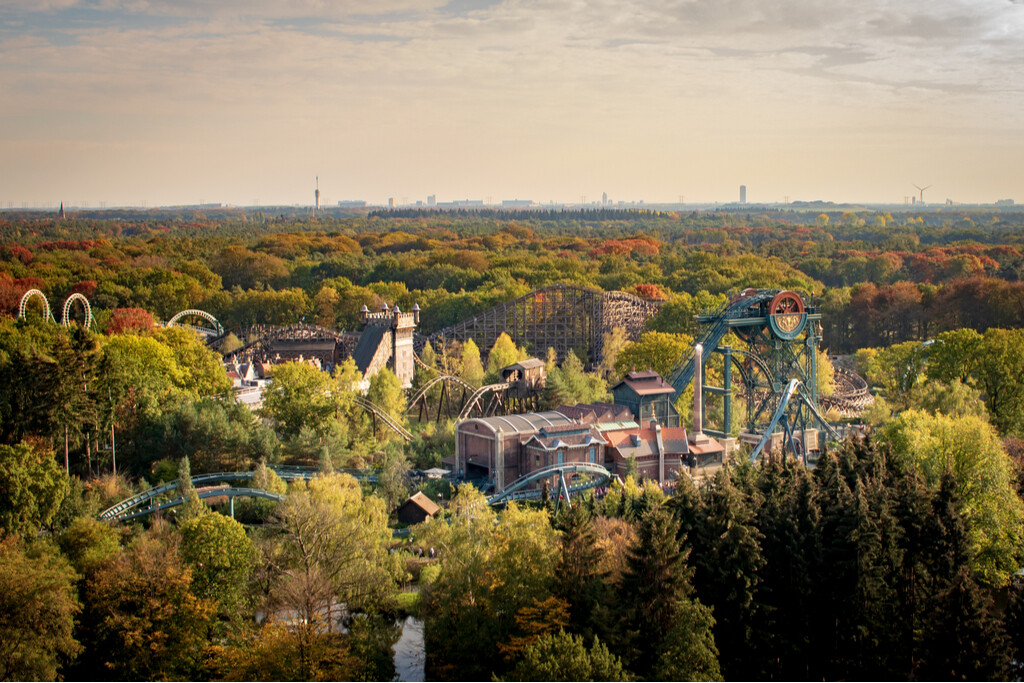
(416, 509)
(529, 375)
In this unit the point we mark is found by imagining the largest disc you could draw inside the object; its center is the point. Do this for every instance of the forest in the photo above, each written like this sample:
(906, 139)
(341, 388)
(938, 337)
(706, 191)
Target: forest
(897, 556)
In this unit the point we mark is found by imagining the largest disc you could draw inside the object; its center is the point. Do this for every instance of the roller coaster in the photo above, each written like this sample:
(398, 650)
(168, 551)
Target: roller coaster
(778, 369)
(162, 497)
(166, 496)
(592, 476)
(66, 319)
(212, 328)
(562, 317)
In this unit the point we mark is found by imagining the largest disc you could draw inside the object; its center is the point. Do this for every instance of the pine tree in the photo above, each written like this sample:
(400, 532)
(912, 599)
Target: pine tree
(577, 580)
(191, 506)
(788, 519)
(727, 572)
(687, 508)
(655, 595)
(960, 636)
(961, 639)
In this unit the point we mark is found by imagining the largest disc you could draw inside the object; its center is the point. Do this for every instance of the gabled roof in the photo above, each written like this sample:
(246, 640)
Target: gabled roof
(641, 442)
(565, 436)
(528, 364)
(645, 384)
(601, 412)
(420, 500)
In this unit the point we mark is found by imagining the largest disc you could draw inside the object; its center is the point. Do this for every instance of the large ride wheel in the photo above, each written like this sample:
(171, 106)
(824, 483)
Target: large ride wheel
(786, 302)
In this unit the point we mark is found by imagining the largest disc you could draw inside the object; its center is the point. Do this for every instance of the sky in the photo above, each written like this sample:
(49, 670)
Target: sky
(161, 102)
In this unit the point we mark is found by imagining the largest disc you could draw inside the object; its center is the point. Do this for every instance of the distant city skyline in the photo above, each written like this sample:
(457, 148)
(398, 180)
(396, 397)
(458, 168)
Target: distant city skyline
(246, 102)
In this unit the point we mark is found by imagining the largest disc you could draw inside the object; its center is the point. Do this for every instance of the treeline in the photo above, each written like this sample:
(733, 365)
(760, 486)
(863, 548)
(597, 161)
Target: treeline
(139, 400)
(863, 569)
(880, 279)
(310, 595)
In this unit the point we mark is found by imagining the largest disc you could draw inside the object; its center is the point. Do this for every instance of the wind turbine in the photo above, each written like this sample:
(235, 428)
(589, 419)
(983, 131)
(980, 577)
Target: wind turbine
(921, 190)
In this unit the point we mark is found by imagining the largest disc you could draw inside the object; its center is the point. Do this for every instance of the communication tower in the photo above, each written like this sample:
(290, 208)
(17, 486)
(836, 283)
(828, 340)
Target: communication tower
(316, 194)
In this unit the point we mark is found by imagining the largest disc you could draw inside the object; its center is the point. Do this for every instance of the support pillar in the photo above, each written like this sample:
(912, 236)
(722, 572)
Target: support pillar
(727, 385)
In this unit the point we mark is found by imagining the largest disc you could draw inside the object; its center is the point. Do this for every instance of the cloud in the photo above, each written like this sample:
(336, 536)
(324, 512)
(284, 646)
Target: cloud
(522, 75)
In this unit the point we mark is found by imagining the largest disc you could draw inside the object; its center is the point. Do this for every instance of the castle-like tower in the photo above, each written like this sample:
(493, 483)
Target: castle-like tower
(387, 341)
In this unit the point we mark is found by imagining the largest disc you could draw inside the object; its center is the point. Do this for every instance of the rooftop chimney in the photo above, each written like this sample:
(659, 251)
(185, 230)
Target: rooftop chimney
(698, 435)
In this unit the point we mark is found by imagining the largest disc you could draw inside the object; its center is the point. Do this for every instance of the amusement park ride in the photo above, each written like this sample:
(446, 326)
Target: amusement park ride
(778, 369)
(773, 371)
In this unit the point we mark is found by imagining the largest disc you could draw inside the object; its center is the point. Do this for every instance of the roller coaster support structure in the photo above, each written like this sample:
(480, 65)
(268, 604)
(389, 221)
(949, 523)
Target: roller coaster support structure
(796, 409)
(781, 334)
(518, 490)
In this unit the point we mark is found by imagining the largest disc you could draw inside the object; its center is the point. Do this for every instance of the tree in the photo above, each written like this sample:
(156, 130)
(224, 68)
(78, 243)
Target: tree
(284, 652)
(569, 384)
(472, 369)
(999, 371)
(32, 488)
(298, 396)
(192, 507)
(954, 355)
(679, 314)
(38, 607)
(143, 619)
(728, 563)
(129, 320)
(968, 448)
(503, 354)
(961, 638)
(655, 594)
(896, 370)
(229, 344)
(88, 543)
(259, 509)
(386, 392)
(564, 657)
(490, 569)
(612, 343)
(69, 372)
(221, 556)
(202, 369)
(658, 351)
(578, 578)
(335, 545)
(324, 304)
(216, 435)
(955, 399)
(788, 519)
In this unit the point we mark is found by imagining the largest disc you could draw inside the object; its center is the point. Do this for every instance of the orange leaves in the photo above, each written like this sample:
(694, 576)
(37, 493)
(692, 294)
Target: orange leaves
(643, 246)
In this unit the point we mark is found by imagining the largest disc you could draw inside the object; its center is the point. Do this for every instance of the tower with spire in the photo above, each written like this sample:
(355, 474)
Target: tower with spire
(61, 215)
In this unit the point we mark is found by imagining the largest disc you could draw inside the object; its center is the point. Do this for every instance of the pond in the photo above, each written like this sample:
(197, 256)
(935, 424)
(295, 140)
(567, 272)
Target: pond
(410, 656)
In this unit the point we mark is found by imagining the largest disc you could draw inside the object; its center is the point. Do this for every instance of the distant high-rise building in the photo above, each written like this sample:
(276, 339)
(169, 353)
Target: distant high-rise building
(743, 194)
(431, 199)
(604, 199)
(391, 202)
(316, 194)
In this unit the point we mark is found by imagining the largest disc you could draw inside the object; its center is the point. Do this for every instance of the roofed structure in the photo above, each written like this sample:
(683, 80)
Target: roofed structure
(647, 395)
(416, 509)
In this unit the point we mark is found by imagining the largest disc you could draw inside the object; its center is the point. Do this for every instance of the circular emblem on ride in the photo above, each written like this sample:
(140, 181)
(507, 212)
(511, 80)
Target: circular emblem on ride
(786, 314)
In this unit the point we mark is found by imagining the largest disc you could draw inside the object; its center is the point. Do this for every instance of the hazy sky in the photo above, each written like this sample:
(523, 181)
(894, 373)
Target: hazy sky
(234, 101)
